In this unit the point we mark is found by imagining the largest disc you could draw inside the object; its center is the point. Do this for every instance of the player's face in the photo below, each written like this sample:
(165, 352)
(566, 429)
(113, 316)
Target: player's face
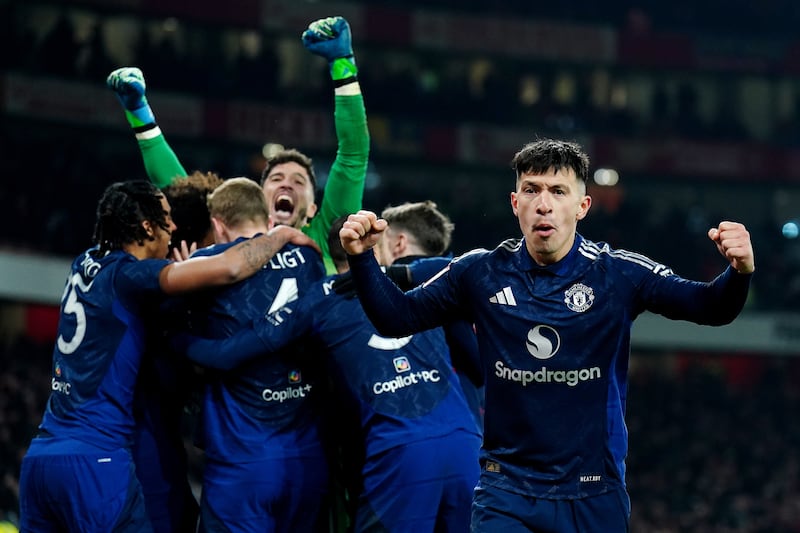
(549, 207)
(159, 247)
(290, 195)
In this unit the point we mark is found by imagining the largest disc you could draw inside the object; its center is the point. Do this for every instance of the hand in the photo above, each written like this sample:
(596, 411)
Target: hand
(128, 83)
(733, 242)
(330, 38)
(361, 231)
(183, 251)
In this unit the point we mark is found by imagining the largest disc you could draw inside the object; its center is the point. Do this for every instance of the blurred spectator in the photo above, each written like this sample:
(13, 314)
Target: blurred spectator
(93, 62)
(58, 52)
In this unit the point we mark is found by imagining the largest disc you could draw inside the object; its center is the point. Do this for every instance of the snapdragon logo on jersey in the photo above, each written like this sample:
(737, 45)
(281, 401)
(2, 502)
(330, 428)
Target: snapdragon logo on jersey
(405, 377)
(543, 343)
(290, 392)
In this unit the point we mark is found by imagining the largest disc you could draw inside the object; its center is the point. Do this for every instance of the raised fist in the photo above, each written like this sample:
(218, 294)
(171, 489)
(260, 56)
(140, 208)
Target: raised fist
(128, 84)
(329, 38)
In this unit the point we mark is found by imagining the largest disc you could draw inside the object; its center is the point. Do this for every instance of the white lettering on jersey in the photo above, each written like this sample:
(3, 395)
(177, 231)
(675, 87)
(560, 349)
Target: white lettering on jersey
(543, 375)
(288, 259)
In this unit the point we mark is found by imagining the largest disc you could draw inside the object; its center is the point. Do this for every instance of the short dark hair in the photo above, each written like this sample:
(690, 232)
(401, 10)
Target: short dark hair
(188, 199)
(290, 155)
(121, 211)
(431, 228)
(544, 154)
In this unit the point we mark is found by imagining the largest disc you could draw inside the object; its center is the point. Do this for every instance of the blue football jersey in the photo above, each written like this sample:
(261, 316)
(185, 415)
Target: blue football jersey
(405, 389)
(101, 338)
(261, 409)
(554, 343)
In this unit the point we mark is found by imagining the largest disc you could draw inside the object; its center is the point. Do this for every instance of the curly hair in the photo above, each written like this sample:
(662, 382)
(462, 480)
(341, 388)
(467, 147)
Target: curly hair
(188, 199)
(121, 211)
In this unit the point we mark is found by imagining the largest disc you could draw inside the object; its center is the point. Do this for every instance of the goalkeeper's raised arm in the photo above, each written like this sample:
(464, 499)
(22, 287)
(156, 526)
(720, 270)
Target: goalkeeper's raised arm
(160, 162)
(331, 39)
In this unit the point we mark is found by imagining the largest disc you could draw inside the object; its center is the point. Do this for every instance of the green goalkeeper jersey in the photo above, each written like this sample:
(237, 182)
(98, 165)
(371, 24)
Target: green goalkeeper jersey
(344, 189)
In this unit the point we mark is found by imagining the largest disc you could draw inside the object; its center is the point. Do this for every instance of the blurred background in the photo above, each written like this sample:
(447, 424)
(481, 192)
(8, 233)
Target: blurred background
(690, 112)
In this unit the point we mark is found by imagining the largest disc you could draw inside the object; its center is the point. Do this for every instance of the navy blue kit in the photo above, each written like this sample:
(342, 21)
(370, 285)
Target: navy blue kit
(78, 471)
(550, 338)
(266, 467)
(420, 438)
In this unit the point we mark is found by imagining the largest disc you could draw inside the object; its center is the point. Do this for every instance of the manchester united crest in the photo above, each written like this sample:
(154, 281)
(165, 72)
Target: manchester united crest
(579, 297)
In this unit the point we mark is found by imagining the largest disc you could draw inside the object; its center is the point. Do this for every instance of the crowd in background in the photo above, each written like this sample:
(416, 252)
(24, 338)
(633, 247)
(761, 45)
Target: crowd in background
(64, 173)
(571, 97)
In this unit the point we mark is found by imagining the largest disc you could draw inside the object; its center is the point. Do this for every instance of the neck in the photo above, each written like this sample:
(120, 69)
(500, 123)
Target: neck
(245, 230)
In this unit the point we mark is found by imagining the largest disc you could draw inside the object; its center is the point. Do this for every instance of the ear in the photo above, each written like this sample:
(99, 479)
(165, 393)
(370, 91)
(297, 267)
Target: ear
(311, 210)
(148, 228)
(514, 204)
(583, 209)
(219, 230)
(400, 246)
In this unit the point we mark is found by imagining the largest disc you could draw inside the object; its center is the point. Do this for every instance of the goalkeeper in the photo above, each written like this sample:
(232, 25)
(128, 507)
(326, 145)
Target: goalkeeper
(288, 180)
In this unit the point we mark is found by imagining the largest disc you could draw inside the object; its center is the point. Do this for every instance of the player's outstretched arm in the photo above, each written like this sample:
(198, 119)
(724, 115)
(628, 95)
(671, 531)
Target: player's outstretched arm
(733, 242)
(266, 335)
(234, 264)
(160, 162)
(331, 39)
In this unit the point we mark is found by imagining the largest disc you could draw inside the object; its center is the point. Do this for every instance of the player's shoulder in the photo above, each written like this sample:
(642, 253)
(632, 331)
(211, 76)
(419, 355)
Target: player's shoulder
(212, 249)
(620, 259)
(502, 252)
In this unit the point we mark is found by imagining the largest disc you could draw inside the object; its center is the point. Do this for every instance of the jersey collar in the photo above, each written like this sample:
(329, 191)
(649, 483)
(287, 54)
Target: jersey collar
(561, 268)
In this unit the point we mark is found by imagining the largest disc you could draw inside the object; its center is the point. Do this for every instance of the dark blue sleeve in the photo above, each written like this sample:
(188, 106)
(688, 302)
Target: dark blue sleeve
(138, 280)
(424, 269)
(223, 354)
(463, 344)
(393, 312)
(266, 335)
(714, 303)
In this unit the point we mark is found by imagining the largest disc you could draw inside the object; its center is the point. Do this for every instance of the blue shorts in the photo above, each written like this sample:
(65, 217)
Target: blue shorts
(495, 509)
(71, 486)
(279, 495)
(161, 467)
(421, 486)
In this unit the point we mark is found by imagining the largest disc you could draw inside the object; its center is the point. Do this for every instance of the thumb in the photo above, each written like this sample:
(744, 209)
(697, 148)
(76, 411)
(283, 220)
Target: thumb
(713, 234)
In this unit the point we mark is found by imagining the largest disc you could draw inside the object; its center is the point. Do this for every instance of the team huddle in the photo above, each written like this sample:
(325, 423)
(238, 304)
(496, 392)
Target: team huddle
(347, 374)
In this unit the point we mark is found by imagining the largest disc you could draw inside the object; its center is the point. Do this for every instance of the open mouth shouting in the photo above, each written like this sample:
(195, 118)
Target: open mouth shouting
(283, 207)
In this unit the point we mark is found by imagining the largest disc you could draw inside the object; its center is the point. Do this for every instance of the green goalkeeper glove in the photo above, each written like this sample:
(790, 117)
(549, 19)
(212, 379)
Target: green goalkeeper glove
(330, 38)
(128, 84)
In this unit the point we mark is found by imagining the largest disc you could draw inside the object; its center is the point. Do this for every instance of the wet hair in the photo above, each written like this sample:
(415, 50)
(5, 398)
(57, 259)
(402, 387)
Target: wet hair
(338, 254)
(238, 200)
(290, 156)
(543, 155)
(121, 211)
(188, 198)
(431, 228)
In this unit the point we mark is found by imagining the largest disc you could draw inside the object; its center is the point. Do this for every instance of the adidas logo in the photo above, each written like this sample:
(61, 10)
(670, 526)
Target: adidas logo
(504, 297)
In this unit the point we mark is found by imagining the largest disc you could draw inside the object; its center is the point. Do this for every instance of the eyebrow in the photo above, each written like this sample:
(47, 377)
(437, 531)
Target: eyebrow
(304, 176)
